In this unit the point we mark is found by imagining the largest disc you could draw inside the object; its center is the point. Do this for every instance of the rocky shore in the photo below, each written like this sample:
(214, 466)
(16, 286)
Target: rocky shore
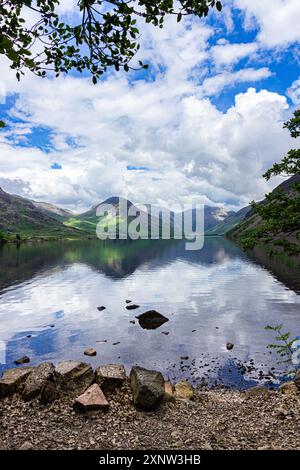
(72, 406)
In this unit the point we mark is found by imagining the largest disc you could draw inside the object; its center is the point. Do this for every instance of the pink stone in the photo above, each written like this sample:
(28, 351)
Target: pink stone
(92, 399)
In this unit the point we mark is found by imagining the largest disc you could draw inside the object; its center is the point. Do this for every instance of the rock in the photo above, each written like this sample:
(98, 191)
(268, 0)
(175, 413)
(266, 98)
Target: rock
(12, 380)
(37, 379)
(148, 387)
(289, 388)
(49, 393)
(22, 360)
(229, 346)
(92, 399)
(132, 321)
(90, 352)
(297, 379)
(207, 446)
(257, 391)
(165, 333)
(169, 392)
(101, 308)
(27, 445)
(184, 358)
(281, 413)
(110, 376)
(132, 306)
(116, 343)
(184, 391)
(151, 320)
(74, 377)
(128, 301)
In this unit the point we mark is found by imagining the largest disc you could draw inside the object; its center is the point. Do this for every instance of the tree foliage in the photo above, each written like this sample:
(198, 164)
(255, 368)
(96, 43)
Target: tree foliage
(106, 34)
(280, 211)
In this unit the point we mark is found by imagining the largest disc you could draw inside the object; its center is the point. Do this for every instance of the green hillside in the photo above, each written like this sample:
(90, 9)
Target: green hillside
(21, 219)
(253, 228)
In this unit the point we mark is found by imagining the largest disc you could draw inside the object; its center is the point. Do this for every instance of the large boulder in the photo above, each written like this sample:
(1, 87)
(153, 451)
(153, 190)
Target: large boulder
(37, 380)
(148, 388)
(110, 376)
(91, 400)
(74, 377)
(13, 380)
(151, 320)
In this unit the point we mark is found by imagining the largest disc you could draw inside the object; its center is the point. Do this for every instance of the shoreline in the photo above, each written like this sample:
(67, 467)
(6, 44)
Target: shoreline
(205, 419)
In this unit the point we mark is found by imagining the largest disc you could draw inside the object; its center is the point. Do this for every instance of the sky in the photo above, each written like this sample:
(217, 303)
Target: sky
(203, 123)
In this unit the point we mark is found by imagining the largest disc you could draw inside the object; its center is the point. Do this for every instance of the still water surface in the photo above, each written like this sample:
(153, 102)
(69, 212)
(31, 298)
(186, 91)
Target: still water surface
(49, 294)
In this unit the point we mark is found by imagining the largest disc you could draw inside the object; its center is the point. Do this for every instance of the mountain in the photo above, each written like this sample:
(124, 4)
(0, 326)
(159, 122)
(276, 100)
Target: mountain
(89, 220)
(229, 222)
(252, 222)
(20, 216)
(53, 211)
(32, 219)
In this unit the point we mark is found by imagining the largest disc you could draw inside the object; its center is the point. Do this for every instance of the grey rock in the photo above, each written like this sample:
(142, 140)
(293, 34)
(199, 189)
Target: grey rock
(13, 380)
(148, 388)
(132, 306)
(37, 379)
(110, 376)
(27, 445)
(22, 360)
(151, 320)
(74, 377)
(49, 392)
(90, 352)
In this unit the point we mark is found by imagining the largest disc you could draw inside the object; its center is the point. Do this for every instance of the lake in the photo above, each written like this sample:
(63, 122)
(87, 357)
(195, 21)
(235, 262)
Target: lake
(49, 294)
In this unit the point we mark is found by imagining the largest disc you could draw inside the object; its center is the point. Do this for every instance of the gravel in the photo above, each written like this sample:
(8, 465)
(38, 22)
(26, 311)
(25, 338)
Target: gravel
(216, 419)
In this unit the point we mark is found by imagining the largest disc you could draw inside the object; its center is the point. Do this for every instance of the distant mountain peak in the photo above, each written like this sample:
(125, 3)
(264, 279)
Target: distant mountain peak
(115, 201)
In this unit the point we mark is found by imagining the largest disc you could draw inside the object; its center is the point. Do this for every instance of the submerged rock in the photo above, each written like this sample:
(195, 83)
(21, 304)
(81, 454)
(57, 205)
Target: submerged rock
(74, 377)
(184, 391)
(101, 308)
(12, 380)
(148, 388)
(90, 352)
(22, 360)
(151, 320)
(132, 306)
(91, 400)
(37, 380)
(110, 376)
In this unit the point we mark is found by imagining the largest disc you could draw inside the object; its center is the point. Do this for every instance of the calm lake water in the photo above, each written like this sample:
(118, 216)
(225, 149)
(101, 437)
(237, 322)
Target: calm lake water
(49, 294)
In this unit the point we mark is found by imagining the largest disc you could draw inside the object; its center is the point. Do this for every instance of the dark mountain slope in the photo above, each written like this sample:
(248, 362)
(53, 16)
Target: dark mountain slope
(20, 216)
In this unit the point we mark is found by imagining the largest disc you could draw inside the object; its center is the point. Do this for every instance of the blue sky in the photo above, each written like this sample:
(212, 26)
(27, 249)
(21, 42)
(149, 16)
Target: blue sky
(202, 123)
